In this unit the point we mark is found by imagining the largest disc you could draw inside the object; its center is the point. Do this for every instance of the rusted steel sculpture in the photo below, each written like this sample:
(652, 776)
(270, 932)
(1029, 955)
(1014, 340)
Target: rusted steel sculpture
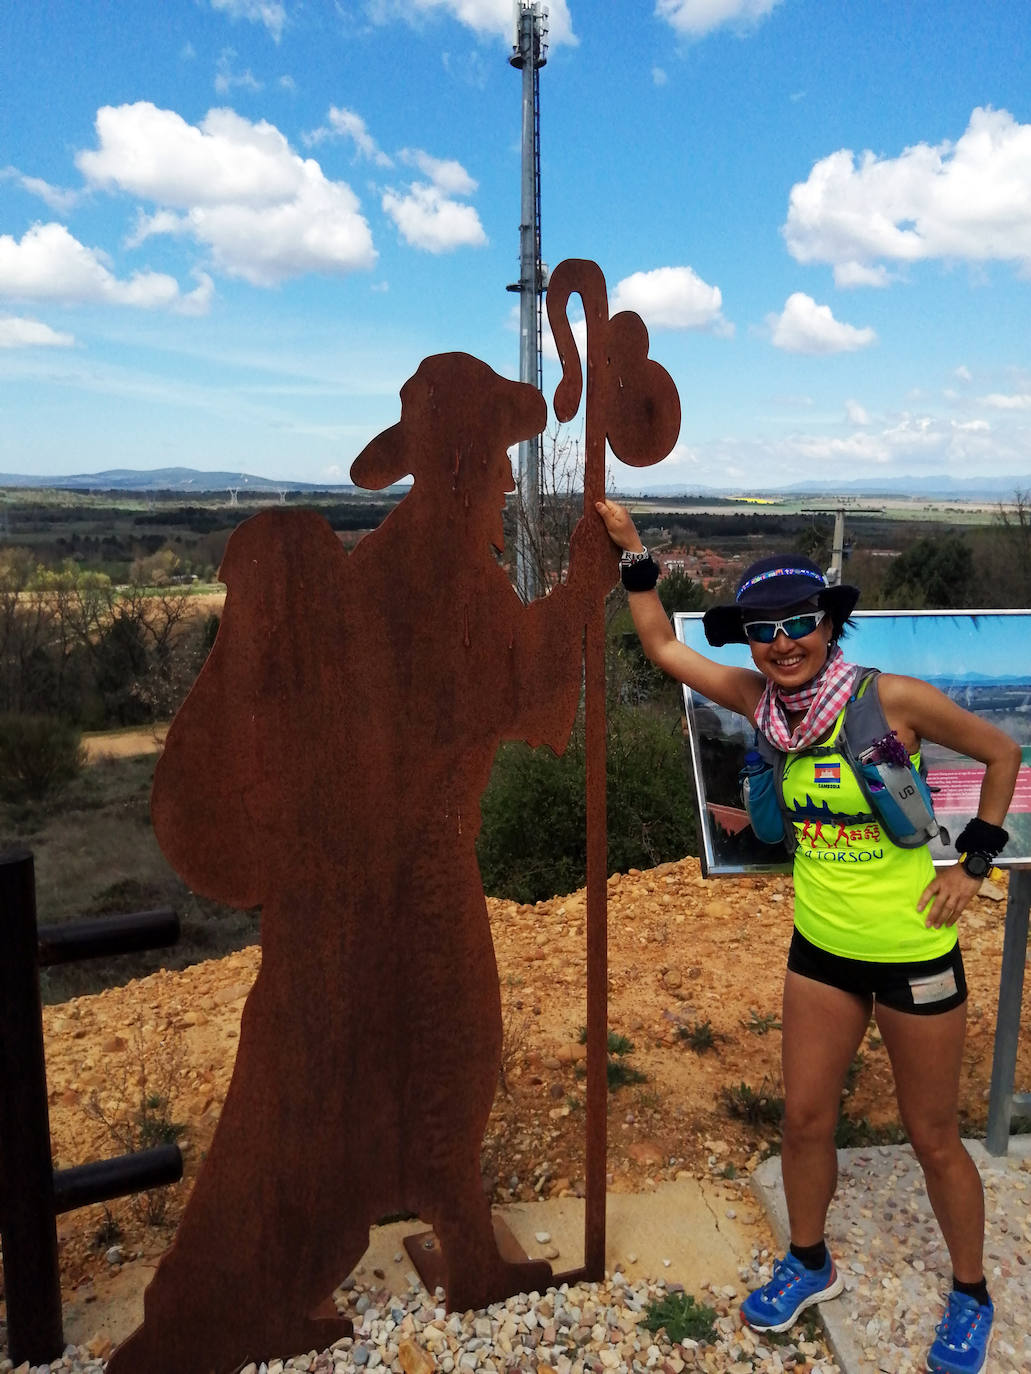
(328, 766)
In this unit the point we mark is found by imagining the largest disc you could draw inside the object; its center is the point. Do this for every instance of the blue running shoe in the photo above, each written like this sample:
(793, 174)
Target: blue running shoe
(793, 1288)
(963, 1336)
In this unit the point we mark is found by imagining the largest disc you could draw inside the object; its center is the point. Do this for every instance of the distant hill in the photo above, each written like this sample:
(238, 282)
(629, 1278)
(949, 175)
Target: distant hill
(186, 480)
(931, 487)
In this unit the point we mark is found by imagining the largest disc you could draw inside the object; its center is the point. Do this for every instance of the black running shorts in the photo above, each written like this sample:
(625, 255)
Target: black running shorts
(925, 987)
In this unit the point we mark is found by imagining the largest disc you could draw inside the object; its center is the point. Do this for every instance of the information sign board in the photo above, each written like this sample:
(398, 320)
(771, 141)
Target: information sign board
(982, 659)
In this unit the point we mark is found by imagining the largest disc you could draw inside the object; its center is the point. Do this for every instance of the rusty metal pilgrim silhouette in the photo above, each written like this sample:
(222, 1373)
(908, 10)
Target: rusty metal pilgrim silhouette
(328, 766)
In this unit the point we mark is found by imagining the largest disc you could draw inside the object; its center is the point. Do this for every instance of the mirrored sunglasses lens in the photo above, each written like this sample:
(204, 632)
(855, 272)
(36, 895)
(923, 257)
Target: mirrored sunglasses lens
(766, 631)
(800, 625)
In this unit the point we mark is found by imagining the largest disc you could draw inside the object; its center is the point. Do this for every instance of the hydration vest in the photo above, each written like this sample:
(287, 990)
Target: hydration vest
(897, 793)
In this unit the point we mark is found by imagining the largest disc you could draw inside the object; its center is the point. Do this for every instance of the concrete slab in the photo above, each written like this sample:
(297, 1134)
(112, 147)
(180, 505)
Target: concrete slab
(693, 1233)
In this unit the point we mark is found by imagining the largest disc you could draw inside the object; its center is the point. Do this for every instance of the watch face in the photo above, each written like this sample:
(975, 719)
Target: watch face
(977, 865)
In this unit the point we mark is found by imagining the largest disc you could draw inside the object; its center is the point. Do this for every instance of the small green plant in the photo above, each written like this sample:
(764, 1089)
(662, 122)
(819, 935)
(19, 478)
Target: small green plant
(515, 1037)
(850, 1134)
(760, 1023)
(617, 1043)
(108, 1233)
(682, 1316)
(729, 1171)
(137, 1109)
(758, 1106)
(698, 1036)
(619, 1074)
(853, 1072)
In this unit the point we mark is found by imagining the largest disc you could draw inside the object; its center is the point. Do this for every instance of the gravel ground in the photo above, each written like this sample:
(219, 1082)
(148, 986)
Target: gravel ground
(567, 1331)
(887, 1245)
(881, 1231)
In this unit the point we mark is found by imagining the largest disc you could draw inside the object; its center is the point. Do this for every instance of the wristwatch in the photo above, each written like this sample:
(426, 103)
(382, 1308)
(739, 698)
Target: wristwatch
(976, 865)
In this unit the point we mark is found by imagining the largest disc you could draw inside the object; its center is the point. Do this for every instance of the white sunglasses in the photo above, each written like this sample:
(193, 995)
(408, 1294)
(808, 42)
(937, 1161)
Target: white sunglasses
(795, 627)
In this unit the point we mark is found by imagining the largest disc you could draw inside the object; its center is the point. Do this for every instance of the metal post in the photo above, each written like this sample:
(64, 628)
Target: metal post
(529, 57)
(1007, 1023)
(838, 553)
(27, 1226)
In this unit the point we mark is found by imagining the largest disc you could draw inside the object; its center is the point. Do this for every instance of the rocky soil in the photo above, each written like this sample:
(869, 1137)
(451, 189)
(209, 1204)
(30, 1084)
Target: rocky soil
(695, 969)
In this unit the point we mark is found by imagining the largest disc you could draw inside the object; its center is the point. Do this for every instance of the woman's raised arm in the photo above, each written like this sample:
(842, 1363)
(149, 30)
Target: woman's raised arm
(738, 689)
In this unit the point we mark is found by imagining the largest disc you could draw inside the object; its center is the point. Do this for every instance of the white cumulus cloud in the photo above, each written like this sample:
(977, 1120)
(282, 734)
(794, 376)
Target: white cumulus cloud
(56, 197)
(487, 17)
(427, 218)
(968, 201)
(426, 213)
(860, 274)
(1001, 401)
(346, 123)
(805, 327)
(696, 18)
(672, 298)
(857, 414)
(445, 173)
(226, 78)
(236, 187)
(49, 264)
(18, 332)
(268, 12)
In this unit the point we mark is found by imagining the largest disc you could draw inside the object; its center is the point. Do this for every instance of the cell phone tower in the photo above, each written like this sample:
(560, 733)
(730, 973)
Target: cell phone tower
(529, 55)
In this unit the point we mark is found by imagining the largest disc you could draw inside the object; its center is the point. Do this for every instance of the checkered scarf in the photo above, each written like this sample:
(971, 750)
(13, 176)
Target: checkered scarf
(822, 699)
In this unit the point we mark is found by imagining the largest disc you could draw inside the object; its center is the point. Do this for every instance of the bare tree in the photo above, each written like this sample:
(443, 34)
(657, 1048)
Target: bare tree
(1010, 552)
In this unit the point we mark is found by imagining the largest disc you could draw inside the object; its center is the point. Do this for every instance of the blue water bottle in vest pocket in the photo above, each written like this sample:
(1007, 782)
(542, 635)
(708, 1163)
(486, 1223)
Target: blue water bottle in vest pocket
(758, 792)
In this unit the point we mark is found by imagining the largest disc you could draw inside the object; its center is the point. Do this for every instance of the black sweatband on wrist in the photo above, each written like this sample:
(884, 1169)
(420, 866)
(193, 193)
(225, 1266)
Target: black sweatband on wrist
(982, 837)
(640, 576)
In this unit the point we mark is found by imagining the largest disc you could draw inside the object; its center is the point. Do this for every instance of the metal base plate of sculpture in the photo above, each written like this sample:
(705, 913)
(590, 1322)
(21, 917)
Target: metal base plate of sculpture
(327, 766)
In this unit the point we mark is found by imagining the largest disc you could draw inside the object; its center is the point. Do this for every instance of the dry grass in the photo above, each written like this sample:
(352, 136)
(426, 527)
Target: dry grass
(95, 853)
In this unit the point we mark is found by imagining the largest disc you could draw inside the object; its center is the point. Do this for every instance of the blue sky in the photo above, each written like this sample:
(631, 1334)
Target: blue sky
(230, 229)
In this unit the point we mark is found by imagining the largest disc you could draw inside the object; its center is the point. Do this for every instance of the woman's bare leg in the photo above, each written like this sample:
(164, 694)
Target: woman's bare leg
(926, 1053)
(823, 1029)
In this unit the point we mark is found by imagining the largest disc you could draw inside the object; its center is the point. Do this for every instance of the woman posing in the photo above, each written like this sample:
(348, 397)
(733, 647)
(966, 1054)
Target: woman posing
(876, 935)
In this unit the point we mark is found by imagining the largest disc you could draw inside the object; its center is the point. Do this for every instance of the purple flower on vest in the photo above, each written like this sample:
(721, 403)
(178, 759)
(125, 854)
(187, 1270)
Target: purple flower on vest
(889, 749)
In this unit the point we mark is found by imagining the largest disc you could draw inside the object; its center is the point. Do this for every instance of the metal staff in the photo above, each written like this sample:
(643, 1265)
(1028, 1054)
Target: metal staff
(633, 403)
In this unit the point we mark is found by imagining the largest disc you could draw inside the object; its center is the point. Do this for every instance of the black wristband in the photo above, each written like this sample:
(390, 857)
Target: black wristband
(981, 837)
(640, 576)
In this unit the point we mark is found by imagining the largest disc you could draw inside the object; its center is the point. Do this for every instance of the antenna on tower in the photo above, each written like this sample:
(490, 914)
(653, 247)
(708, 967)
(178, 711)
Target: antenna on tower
(529, 55)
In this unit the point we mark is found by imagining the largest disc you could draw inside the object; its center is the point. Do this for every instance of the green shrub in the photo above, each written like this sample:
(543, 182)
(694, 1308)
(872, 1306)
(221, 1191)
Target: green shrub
(38, 754)
(533, 841)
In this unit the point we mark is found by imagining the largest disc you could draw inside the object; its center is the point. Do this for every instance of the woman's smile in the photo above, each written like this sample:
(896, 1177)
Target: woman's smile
(792, 662)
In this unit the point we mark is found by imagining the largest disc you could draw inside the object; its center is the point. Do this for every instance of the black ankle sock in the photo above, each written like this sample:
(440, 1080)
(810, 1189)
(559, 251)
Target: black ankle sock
(812, 1256)
(977, 1291)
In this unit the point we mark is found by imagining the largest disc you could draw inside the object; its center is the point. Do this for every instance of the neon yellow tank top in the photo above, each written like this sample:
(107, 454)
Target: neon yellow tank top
(856, 892)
